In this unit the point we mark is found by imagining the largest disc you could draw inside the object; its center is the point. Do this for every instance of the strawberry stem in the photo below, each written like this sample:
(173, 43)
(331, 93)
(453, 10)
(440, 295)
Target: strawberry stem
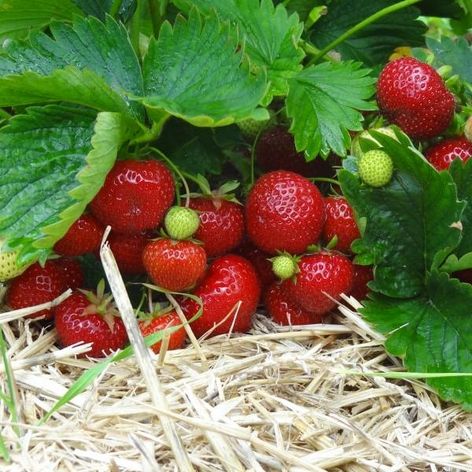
(179, 174)
(361, 25)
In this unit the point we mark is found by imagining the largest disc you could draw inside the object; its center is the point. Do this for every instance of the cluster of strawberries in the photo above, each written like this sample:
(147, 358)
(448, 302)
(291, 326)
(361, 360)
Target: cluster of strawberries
(288, 246)
(213, 247)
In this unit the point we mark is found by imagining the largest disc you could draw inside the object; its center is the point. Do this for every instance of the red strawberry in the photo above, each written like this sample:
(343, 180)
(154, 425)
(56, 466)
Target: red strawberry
(441, 154)
(463, 275)
(230, 280)
(128, 251)
(340, 222)
(275, 150)
(221, 224)
(284, 212)
(85, 235)
(362, 276)
(174, 265)
(285, 311)
(412, 95)
(89, 319)
(158, 323)
(71, 271)
(322, 277)
(135, 196)
(36, 285)
(260, 261)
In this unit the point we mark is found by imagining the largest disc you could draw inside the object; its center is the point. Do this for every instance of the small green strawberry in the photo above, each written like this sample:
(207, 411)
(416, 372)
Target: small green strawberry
(284, 266)
(250, 128)
(468, 129)
(181, 222)
(9, 268)
(356, 148)
(376, 168)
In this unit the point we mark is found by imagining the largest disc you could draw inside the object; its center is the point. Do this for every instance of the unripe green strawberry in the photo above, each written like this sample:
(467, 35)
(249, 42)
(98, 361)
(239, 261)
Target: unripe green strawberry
(284, 266)
(8, 266)
(376, 168)
(356, 148)
(468, 129)
(181, 222)
(250, 127)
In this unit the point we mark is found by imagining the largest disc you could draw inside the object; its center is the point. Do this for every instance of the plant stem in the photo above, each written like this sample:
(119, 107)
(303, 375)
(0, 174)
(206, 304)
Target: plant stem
(179, 174)
(115, 8)
(135, 28)
(361, 25)
(312, 50)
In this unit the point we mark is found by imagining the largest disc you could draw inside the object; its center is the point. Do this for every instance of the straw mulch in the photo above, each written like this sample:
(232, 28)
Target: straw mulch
(277, 399)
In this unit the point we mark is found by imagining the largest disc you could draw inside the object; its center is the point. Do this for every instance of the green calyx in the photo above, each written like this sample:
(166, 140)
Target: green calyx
(375, 168)
(356, 147)
(284, 266)
(181, 222)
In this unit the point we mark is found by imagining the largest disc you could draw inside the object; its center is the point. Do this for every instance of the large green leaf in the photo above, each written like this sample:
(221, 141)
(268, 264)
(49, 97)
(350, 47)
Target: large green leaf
(462, 175)
(19, 17)
(90, 63)
(270, 36)
(374, 43)
(431, 333)
(455, 53)
(53, 160)
(194, 71)
(100, 8)
(411, 224)
(324, 103)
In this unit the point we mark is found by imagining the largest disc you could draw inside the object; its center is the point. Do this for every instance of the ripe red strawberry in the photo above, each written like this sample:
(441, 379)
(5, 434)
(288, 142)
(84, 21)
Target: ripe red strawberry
(284, 212)
(441, 154)
(285, 311)
(322, 277)
(260, 261)
(36, 285)
(275, 150)
(174, 265)
(412, 95)
(340, 222)
(362, 276)
(158, 323)
(463, 275)
(230, 280)
(128, 251)
(84, 236)
(221, 224)
(71, 271)
(89, 319)
(135, 196)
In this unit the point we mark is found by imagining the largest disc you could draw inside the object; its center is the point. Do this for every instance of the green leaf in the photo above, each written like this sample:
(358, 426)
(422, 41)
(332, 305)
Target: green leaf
(269, 34)
(462, 176)
(19, 17)
(195, 72)
(324, 103)
(431, 333)
(409, 229)
(374, 43)
(61, 157)
(99, 8)
(195, 152)
(90, 63)
(455, 53)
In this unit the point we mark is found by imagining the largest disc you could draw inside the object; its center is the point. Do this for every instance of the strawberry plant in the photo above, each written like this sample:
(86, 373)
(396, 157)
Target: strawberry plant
(110, 111)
